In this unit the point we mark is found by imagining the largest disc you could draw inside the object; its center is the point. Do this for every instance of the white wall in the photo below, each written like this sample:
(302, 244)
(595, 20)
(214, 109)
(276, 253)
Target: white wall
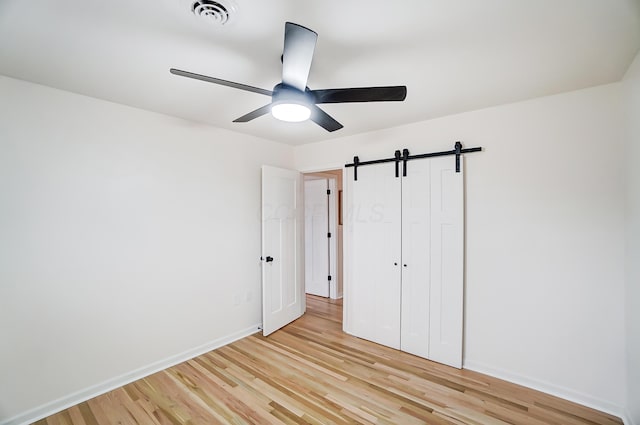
(632, 89)
(126, 238)
(544, 235)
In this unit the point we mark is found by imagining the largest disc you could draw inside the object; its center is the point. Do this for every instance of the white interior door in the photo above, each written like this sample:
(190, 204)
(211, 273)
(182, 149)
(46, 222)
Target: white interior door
(333, 241)
(373, 221)
(432, 259)
(316, 211)
(282, 248)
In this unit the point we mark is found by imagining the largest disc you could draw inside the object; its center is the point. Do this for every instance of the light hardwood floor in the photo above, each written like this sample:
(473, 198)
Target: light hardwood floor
(310, 372)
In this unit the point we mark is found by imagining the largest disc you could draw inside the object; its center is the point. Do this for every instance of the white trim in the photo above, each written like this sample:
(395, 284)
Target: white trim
(77, 397)
(339, 166)
(549, 388)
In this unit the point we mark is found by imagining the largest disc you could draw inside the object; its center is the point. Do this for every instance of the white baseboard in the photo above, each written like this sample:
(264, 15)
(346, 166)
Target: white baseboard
(65, 402)
(548, 388)
(626, 418)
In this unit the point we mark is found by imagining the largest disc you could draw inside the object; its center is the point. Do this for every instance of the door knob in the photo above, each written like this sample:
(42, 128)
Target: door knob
(269, 259)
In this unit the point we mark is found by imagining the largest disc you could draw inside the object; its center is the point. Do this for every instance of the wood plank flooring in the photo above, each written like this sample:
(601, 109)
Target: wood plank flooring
(310, 372)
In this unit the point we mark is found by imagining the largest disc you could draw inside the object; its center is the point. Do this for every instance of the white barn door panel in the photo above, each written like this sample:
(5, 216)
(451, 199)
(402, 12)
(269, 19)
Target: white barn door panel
(374, 252)
(433, 251)
(282, 248)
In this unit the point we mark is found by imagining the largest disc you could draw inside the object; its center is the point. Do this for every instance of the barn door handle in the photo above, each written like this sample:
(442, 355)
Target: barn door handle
(269, 259)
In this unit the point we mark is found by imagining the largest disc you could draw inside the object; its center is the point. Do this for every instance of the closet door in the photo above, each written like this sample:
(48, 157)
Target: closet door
(374, 253)
(432, 259)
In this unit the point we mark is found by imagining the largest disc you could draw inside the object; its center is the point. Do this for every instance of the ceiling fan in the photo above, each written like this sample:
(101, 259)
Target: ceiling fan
(292, 100)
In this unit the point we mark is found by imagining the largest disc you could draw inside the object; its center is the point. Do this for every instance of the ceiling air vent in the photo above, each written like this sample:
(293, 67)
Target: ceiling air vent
(219, 12)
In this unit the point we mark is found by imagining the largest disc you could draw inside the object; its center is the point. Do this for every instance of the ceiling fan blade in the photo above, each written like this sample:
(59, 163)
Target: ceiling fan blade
(324, 120)
(361, 94)
(254, 114)
(299, 44)
(220, 81)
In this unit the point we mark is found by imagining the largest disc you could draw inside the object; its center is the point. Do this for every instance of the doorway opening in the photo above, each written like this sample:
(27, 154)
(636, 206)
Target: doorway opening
(323, 239)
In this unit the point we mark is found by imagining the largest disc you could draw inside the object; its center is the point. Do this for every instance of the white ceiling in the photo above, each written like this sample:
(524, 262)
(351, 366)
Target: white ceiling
(453, 55)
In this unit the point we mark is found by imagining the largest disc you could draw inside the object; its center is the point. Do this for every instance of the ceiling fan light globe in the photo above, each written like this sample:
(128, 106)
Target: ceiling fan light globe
(290, 112)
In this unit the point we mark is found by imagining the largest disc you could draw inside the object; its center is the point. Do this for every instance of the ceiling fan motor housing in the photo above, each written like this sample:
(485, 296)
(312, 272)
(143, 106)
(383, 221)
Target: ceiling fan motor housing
(291, 104)
(283, 93)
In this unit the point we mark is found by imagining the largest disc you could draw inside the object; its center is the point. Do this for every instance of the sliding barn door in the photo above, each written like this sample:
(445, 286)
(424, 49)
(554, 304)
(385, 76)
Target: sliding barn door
(433, 260)
(373, 214)
(406, 257)
(282, 248)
